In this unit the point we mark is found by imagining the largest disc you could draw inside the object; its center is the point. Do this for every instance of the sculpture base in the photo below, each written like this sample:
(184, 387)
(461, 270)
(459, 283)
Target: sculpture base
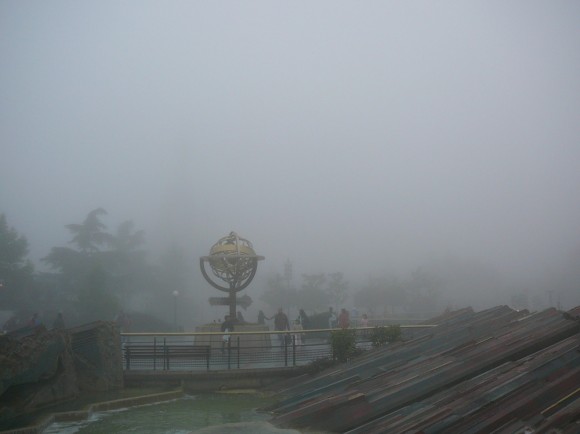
(246, 341)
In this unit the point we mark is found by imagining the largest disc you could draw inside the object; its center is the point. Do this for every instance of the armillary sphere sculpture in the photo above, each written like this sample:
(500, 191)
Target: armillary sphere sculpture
(233, 261)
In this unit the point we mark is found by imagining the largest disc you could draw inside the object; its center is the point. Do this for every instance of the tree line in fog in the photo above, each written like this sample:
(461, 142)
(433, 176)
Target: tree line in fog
(99, 272)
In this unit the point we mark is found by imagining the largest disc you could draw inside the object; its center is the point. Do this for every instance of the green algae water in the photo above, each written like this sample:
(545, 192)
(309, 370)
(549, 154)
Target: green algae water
(206, 413)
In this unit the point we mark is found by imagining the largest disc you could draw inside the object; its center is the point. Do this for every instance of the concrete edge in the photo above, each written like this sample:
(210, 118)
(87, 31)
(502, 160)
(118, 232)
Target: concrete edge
(70, 416)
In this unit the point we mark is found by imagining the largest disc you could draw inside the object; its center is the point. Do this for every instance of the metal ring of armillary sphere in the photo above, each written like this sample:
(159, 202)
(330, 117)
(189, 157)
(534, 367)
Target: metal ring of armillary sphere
(233, 261)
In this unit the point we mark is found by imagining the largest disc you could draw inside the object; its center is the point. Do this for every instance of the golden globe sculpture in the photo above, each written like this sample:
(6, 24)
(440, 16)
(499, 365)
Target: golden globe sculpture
(234, 262)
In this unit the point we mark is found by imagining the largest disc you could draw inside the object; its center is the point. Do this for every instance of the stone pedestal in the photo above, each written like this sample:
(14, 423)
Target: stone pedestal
(246, 341)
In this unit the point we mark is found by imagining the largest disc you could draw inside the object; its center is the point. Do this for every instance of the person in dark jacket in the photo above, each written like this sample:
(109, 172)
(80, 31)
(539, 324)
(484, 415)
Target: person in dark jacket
(226, 328)
(281, 323)
(58, 323)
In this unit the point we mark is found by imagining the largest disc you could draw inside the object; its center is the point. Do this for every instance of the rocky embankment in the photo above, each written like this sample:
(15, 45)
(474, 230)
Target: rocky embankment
(40, 367)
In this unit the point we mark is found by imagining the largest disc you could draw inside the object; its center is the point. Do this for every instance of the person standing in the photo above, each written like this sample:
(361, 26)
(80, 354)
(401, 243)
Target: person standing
(297, 329)
(58, 323)
(35, 320)
(227, 327)
(303, 319)
(343, 319)
(280, 324)
(331, 318)
(240, 318)
(262, 318)
(364, 322)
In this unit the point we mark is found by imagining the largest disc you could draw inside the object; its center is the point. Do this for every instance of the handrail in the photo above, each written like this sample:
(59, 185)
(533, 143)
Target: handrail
(248, 349)
(268, 332)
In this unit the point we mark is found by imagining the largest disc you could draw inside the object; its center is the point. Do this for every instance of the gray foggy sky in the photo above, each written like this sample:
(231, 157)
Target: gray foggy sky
(354, 136)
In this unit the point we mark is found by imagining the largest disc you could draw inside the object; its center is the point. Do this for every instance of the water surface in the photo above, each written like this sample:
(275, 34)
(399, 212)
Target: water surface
(210, 413)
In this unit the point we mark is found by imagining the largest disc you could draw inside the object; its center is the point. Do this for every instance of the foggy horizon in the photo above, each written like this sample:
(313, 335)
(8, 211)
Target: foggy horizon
(367, 138)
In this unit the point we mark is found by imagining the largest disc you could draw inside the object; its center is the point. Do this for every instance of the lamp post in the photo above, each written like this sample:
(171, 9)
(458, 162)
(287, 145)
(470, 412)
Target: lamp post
(175, 295)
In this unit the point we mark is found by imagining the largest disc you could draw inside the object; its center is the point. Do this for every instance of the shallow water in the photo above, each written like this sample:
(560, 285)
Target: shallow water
(210, 413)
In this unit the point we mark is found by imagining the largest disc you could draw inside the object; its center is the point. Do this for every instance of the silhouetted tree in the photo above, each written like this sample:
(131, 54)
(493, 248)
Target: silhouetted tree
(173, 274)
(337, 289)
(279, 294)
(69, 262)
(312, 295)
(381, 293)
(15, 269)
(95, 300)
(371, 296)
(396, 293)
(423, 288)
(104, 267)
(127, 241)
(89, 235)
(126, 261)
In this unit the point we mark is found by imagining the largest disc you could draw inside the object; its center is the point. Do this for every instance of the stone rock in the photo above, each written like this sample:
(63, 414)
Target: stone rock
(40, 368)
(35, 371)
(97, 356)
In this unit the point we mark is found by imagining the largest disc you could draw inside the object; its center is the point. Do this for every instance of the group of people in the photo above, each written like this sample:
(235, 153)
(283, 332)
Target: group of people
(15, 322)
(342, 321)
(228, 325)
(282, 324)
(291, 331)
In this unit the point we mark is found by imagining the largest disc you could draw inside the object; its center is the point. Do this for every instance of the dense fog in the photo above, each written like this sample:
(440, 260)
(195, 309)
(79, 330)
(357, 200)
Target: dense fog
(397, 142)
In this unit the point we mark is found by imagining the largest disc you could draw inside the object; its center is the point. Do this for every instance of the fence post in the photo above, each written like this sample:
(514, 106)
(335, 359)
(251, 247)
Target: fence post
(285, 350)
(154, 353)
(207, 354)
(165, 355)
(238, 351)
(229, 352)
(293, 350)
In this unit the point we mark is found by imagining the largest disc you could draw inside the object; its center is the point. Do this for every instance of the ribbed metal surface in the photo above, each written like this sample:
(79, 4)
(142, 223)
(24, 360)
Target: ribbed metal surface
(474, 373)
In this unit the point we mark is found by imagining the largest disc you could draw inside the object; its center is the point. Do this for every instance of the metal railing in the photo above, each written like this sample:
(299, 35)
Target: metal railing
(239, 350)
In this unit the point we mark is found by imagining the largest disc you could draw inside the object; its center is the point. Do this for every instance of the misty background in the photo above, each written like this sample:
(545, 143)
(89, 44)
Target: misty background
(376, 139)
